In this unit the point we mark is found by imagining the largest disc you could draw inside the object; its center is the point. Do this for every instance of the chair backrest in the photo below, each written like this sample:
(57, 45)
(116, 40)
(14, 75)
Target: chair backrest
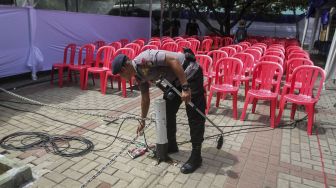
(272, 58)
(129, 52)
(194, 45)
(72, 48)
(246, 43)
(216, 55)
(177, 37)
(88, 50)
(136, 47)
(262, 47)
(206, 45)
(205, 61)
(237, 47)
(252, 41)
(244, 46)
(148, 46)
(99, 43)
(308, 75)
(266, 72)
(248, 62)
(170, 46)
(104, 56)
(155, 42)
(216, 42)
(256, 54)
(183, 44)
(229, 50)
(154, 39)
(275, 53)
(140, 42)
(292, 64)
(298, 55)
(123, 42)
(115, 45)
(227, 69)
(227, 41)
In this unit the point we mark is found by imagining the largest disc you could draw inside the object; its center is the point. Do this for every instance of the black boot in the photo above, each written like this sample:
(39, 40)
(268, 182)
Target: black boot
(194, 161)
(172, 147)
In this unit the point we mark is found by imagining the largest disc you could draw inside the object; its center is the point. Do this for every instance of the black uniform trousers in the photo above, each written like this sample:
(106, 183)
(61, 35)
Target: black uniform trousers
(196, 121)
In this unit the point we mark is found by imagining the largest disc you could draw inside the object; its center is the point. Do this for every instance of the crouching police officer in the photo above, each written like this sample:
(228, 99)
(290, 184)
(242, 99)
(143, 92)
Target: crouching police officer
(186, 75)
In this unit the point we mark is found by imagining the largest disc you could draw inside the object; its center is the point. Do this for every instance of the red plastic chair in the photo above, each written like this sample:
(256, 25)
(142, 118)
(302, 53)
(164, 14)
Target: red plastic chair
(83, 63)
(156, 43)
(265, 72)
(129, 52)
(229, 50)
(115, 45)
(205, 62)
(216, 42)
(308, 76)
(183, 44)
(275, 53)
(99, 43)
(136, 47)
(227, 69)
(104, 56)
(206, 46)
(256, 54)
(140, 42)
(272, 58)
(195, 44)
(246, 74)
(243, 46)
(298, 55)
(227, 41)
(170, 46)
(148, 46)
(123, 42)
(292, 65)
(245, 43)
(215, 55)
(64, 65)
(237, 47)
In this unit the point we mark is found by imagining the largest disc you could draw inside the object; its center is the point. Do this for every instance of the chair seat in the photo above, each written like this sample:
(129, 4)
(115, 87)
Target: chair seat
(298, 85)
(224, 87)
(242, 78)
(274, 82)
(58, 65)
(78, 67)
(97, 69)
(300, 99)
(263, 94)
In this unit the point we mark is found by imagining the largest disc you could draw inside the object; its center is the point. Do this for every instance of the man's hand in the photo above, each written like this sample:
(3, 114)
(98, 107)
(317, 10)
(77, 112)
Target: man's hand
(141, 126)
(186, 96)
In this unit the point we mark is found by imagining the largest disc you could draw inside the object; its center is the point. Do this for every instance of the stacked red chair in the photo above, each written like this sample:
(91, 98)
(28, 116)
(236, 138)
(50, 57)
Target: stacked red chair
(61, 67)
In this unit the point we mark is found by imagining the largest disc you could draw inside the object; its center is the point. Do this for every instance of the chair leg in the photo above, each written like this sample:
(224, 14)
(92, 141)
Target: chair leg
(123, 87)
(247, 86)
(218, 99)
(209, 102)
(292, 115)
(93, 78)
(234, 104)
(60, 77)
(86, 80)
(310, 112)
(69, 75)
(105, 84)
(272, 112)
(82, 78)
(281, 109)
(102, 82)
(247, 99)
(284, 91)
(254, 105)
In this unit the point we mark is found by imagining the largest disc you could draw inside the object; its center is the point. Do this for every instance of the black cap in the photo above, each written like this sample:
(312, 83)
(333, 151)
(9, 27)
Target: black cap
(118, 63)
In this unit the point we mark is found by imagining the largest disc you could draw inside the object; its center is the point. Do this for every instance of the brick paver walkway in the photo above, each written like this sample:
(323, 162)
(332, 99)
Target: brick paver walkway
(253, 155)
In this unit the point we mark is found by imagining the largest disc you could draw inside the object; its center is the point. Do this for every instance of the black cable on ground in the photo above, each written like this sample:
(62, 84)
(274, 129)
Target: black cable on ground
(58, 144)
(106, 134)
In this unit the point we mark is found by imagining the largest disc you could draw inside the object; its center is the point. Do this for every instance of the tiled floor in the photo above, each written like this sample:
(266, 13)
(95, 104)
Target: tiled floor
(253, 155)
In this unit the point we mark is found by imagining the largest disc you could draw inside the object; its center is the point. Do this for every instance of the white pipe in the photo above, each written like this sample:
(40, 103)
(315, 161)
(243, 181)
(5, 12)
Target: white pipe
(305, 31)
(161, 121)
(330, 67)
